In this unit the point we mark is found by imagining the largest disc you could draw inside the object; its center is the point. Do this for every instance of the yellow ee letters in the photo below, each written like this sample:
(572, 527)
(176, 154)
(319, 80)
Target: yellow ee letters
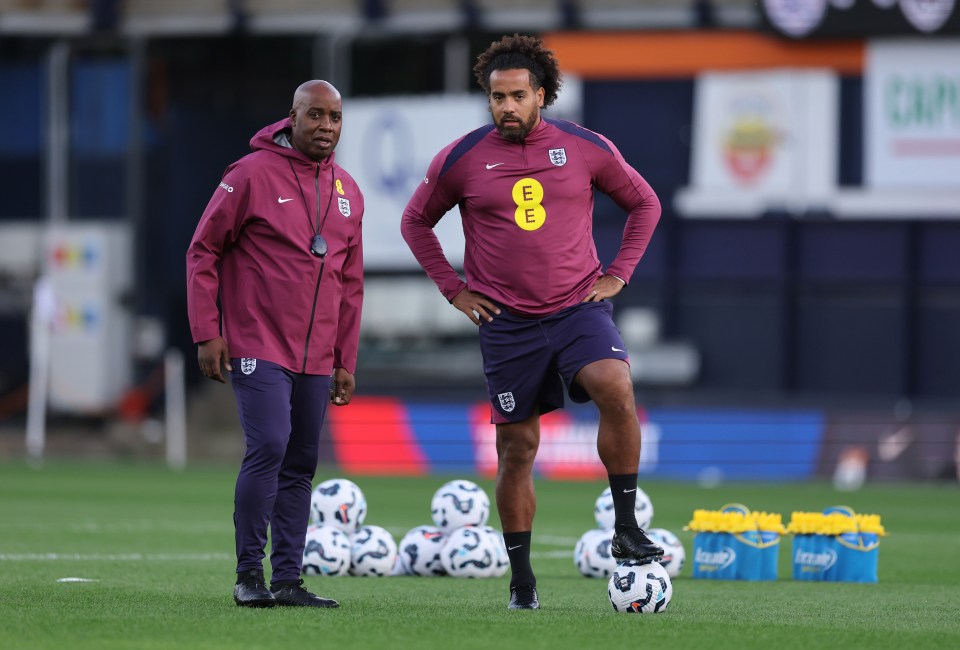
(528, 195)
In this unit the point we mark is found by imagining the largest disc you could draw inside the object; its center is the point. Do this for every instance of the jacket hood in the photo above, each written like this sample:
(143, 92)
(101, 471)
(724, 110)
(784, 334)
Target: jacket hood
(276, 138)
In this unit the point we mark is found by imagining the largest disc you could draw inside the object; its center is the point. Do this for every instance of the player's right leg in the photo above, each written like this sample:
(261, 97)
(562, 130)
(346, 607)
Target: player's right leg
(263, 401)
(522, 383)
(517, 444)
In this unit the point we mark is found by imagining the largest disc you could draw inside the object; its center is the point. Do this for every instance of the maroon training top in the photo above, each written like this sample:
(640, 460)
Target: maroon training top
(527, 213)
(252, 245)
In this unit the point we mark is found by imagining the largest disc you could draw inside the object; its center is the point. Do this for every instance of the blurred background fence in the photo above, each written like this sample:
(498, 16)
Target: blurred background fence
(807, 155)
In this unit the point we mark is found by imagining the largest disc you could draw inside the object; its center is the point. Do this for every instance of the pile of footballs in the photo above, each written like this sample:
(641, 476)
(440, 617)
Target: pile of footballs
(459, 543)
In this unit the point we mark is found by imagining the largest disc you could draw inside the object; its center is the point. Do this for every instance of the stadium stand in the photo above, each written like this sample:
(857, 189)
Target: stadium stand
(44, 16)
(303, 16)
(160, 17)
(512, 15)
(424, 15)
(176, 16)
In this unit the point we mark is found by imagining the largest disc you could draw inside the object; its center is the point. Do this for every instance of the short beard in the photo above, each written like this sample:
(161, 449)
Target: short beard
(517, 133)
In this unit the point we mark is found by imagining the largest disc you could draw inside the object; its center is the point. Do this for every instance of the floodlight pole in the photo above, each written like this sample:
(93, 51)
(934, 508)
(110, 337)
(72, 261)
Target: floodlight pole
(175, 416)
(44, 305)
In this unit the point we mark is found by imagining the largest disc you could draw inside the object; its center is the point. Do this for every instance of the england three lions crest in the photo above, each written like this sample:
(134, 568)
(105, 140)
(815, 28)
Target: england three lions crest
(558, 156)
(507, 402)
(344, 206)
(247, 366)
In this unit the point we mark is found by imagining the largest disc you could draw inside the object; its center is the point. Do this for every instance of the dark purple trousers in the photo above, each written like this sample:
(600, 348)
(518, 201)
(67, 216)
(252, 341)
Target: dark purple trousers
(281, 413)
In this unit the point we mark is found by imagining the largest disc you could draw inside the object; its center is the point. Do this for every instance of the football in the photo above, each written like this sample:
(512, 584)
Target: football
(459, 503)
(592, 555)
(327, 552)
(501, 558)
(673, 553)
(420, 551)
(338, 502)
(603, 510)
(373, 552)
(469, 552)
(636, 588)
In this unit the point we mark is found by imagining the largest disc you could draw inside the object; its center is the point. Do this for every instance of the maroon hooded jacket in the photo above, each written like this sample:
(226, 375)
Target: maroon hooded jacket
(279, 302)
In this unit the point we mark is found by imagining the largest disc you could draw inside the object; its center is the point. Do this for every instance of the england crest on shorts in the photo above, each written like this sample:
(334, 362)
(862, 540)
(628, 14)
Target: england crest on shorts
(507, 402)
(247, 366)
(344, 206)
(558, 156)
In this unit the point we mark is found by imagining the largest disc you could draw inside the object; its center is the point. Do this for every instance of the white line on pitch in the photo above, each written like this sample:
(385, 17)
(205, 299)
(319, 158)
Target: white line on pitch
(554, 540)
(115, 557)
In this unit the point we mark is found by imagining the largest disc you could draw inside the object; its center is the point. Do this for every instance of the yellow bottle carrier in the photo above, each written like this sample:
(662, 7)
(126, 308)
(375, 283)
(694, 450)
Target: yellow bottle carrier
(836, 545)
(734, 543)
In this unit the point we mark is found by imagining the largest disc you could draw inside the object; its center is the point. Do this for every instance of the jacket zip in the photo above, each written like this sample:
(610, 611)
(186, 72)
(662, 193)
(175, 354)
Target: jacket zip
(316, 289)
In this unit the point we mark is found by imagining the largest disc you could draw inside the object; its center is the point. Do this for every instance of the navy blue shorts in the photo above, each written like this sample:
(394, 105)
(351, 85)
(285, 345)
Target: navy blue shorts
(528, 360)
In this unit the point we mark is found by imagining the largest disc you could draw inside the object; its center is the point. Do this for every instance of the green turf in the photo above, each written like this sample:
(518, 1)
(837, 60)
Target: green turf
(159, 545)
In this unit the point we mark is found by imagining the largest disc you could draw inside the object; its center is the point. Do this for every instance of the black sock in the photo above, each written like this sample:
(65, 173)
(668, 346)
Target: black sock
(518, 548)
(623, 488)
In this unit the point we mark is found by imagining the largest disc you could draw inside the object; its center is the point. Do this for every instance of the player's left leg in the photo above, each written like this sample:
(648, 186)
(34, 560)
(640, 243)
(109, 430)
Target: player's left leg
(517, 444)
(609, 386)
(592, 360)
(291, 511)
(608, 383)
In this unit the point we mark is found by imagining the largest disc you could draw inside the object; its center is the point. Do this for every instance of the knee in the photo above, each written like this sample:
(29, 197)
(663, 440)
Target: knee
(266, 456)
(517, 450)
(617, 399)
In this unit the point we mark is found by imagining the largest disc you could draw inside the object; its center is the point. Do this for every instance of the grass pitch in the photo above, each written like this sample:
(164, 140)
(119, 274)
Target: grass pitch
(157, 550)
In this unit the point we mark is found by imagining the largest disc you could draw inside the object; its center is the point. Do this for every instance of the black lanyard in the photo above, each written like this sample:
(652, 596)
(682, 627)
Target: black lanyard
(318, 245)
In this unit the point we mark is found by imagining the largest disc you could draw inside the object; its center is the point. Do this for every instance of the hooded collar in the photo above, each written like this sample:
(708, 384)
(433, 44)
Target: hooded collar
(276, 137)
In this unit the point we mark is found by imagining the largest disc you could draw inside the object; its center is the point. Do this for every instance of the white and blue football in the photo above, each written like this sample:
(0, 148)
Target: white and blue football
(636, 588)
(674, 554)
(340, 503)
(469, 552)
(419, 551)
(459, 503)
(326, 552)
(373, 552)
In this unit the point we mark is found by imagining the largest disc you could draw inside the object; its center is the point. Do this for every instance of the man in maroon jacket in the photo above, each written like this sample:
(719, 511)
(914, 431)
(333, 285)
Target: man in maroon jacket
(280, 244)
(534, 283)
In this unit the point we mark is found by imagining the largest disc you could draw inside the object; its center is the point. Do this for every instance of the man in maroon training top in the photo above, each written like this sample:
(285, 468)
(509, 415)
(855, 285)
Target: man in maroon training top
(280, 244)
(534, 283)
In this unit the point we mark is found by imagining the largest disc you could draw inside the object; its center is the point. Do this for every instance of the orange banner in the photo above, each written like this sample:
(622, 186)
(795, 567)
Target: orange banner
(599, 55)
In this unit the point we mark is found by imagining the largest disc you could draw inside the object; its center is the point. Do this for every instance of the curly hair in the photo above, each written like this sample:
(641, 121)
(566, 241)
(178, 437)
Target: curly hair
(516, 53)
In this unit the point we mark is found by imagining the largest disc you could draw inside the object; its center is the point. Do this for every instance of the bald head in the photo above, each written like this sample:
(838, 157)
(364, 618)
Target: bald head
(304, 91)
(316, 118)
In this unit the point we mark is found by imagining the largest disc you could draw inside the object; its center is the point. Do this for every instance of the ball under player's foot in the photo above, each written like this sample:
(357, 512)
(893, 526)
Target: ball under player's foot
(292, 594)
(523, 597)
(633, 544)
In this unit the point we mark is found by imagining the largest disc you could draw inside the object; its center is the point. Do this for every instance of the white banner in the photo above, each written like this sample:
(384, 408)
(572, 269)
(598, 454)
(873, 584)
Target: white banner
(762, 141)
(912, 108)
(387, 145)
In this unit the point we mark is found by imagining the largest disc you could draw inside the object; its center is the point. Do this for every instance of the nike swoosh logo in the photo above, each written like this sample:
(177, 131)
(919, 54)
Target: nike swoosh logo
(628, 491)
(615, 349)
(510, 548)
(493, 165)
(279, 200)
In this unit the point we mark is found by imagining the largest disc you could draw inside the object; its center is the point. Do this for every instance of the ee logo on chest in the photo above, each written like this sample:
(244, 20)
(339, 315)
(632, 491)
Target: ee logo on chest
(528, 195)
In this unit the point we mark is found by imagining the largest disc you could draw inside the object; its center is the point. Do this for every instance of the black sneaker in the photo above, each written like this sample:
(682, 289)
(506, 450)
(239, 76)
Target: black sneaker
(633, 544)
(292, 594)
(523, 597)
(251, 590)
